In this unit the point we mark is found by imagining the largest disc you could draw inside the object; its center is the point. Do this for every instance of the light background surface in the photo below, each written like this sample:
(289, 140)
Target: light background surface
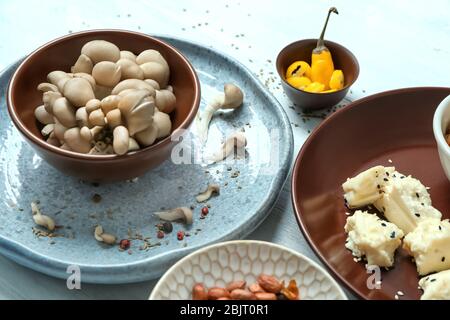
(398, 44)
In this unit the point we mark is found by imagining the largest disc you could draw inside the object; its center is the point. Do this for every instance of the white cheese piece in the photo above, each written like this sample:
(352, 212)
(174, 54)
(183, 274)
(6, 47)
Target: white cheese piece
(372, 238)
(405, 201)
(429, 244)
(366, 187)
(436, 286)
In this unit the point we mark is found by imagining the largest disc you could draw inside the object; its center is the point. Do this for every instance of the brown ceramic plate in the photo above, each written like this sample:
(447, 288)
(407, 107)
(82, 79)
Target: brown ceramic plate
(394, 125)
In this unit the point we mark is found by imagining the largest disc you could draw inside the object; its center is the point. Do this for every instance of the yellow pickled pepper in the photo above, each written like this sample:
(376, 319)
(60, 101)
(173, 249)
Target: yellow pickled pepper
(322, 66)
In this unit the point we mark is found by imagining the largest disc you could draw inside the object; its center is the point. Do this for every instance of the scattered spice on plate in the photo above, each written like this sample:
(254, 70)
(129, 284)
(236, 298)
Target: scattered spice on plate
(205, 211)
(96, 198)
(124, 244)
(180, 235)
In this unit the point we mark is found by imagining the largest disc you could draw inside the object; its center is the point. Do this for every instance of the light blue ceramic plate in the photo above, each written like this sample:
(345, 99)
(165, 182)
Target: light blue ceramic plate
(243, 204)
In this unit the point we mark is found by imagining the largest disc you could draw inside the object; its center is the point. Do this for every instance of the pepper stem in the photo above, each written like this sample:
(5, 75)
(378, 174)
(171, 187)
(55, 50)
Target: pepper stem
(320, 42)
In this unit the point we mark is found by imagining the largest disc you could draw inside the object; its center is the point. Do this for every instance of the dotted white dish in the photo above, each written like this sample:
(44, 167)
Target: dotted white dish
(219, 264)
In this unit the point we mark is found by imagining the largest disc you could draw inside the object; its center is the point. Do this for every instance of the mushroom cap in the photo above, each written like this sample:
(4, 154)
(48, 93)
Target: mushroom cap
(181, 213)
(165, 101)
(49, 98)
(121, 140)
(133, 84)
(233, 96)
(156, 71)
(140, 117)
(162, 122)
(42, 115)
(132, 99)
(64, 112)
(101, 50)
(151, 55)
(107, 73)
(78, 91)
(130, 70)
(147, 137)
(125, 54)
(72, 137)
(83, 64)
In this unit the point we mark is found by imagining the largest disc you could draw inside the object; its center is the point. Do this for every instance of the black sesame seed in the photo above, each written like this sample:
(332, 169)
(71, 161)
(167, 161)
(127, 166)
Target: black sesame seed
(440, 228)
(417, 215)
(383, 224)
(393, 234)
(386, 179)
(387, 173)
(378, 186)
(384, 209)
(417, 195)
(432, 280)
(422, 203)
(402, 177)
(443, 259)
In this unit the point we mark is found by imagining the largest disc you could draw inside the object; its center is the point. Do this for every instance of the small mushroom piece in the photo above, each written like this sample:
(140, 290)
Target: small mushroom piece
(45, 87)
(170, 88)
(83, 64)
(86, 134)
(236, 140)
(133, 145)
(101, 148)
(130, 70)
(153, 83)
(231, 98)
(64, 112)
(132, 99)
(165, 101)
(59, 130)
(92, 105)
(184, 214)
(41, 219)
(205, 195)
(73, 139)
(125, 54)
(156, 71)
(121, 140)
(49, 99)
(151, 55)
(162, 122)
(140, 117)
(82, 117)
(107, 73)
(147, 137)
(133, 84)
(114, 118)
(109, 103)
(88, 77)
(101, 50)
(43, 116)
(101, 236)
(48, 129)
(78, 91)
(95, 132)
(97, 118)
(102, 91)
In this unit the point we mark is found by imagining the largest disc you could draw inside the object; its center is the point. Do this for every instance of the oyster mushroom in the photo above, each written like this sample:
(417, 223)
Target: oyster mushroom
(148, 136)
(83, 64)
(64, 112)
(46, 86)
(156, 71)
(74, 140)
(109, 103)
(42, 115)
(162, 122)
(133, 145)
(140, 117)
(130, 70)
(121, 140)
(205, 195)
(101, 236)
(101, 50)
(231, 98)
(132, 99)
(59, 130)
(165, 101)
(97, 118)
(92, 105)
(114, 118)
(182, 213)
(78, 91)
(49, 98)
(41, 219)
(48, 129)
(107, 73)
(82, 117)
(151, 55)
(125, 54)
(236, 140)
(87, 77)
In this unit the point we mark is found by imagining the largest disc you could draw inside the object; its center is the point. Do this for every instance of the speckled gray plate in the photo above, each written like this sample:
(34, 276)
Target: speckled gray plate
(242, 205)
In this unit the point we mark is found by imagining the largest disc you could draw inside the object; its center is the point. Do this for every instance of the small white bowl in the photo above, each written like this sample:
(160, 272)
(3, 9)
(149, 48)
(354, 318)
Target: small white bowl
(441, 121)
(219, 264)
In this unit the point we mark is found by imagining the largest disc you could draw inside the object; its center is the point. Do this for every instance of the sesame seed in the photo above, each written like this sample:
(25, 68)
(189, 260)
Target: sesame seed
(417, 215)
(383, 224)
(440, 228)
(390, 161)
(432, 280)
(443, 259)
(393, 235)
(396, 297)
(400, 293)
(347, 213)
(386, 179)
(417, 195)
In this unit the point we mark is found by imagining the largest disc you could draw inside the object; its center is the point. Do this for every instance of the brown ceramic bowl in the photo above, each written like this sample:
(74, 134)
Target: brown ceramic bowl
(301, 50)
(395, 125)
(60, 54)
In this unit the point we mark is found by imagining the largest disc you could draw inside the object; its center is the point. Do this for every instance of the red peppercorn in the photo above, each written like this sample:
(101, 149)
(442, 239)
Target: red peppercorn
(180, 235)
(124, 244)
(205, 211)
(160, 234)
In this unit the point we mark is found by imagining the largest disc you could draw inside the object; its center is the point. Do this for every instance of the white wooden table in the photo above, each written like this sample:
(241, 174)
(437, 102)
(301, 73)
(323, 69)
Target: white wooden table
(397, 43)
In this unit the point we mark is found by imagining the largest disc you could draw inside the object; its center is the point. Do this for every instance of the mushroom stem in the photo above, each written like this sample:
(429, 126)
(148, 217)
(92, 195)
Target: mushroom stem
(182, 213)
(205, 195)
(41, 219)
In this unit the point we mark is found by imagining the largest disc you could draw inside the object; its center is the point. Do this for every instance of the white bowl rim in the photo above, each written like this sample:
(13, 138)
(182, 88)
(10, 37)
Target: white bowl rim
(163, 279)
(437, 126)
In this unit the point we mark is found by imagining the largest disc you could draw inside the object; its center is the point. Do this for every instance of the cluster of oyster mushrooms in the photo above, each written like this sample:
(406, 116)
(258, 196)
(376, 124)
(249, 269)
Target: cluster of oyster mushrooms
(111, 102)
